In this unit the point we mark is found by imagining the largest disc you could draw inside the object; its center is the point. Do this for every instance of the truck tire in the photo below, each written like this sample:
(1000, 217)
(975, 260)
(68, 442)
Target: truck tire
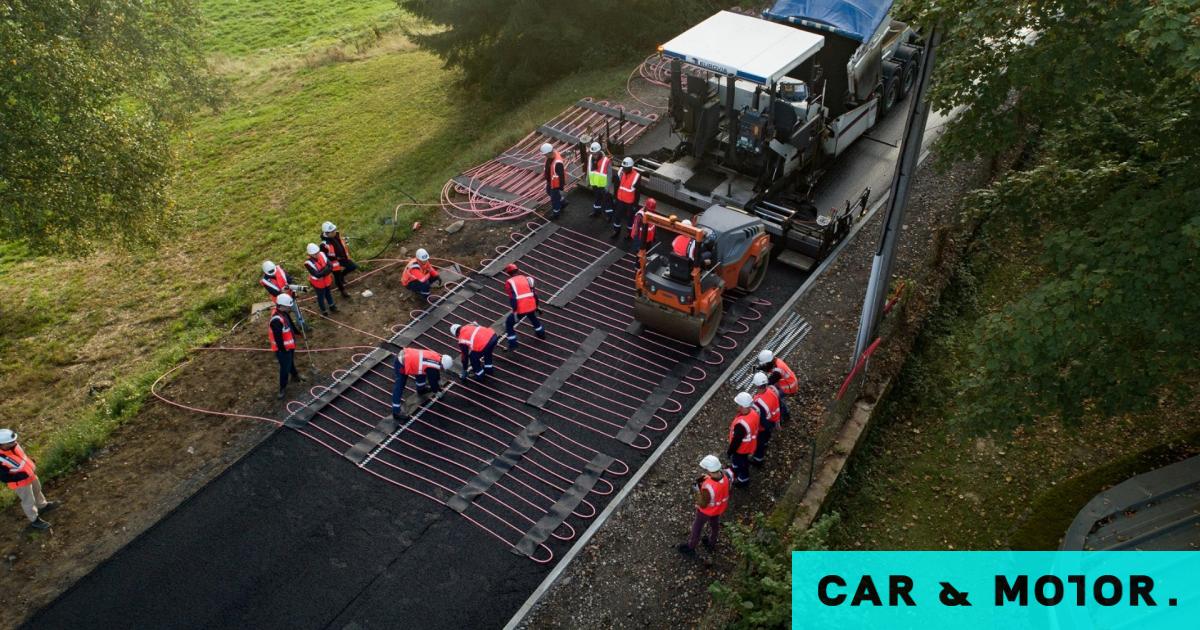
(909, 78)
(890, 95)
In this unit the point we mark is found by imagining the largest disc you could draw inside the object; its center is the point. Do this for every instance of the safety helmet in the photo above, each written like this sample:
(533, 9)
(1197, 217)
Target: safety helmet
(328, 227)
(627, 162)
(760, 379)
(422, 255)
(766, 356)
(510, 268)
(651, 204)
(312, 249)
(268, 267)
(595, 147)
(447, 362)
(686, 222)
(743, 399)
(7, 436)
(711, 463)
(284, 299)
(546, 148)
(454, 329)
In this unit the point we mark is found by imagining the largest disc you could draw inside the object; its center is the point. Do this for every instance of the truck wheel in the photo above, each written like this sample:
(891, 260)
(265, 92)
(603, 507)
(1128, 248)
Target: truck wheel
(910, 76)
(891, 94)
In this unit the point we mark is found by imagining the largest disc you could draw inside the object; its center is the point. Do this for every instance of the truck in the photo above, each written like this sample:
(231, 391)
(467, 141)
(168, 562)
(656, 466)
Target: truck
(760, 106)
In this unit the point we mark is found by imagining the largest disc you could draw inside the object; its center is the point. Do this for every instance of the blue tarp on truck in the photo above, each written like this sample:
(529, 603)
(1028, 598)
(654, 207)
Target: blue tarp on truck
(856, 19)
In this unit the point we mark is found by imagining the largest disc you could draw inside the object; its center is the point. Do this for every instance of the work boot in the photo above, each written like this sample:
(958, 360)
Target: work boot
(49, 507)
(324, 313)
(541, 334)
(685, 549)
(614, 234)
(333, 307)
(399, 416)
(345, 295)
(757, 463)
(707, 544)
(299, 377)
(282, 393)
(39, 525)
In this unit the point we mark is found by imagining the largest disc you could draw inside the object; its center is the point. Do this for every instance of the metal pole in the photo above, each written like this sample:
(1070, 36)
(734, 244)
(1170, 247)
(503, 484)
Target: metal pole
(910, 152)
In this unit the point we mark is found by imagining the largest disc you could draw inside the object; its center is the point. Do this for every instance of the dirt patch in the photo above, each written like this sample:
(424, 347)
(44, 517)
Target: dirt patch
(164, 454)
(630, 575)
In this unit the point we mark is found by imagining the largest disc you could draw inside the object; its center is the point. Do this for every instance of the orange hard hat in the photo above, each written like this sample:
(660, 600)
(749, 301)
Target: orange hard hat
(510, 268)
(651, 204)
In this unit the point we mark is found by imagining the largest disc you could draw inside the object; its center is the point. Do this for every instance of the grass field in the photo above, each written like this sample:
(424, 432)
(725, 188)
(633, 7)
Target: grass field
(923, 480)
(81, 340)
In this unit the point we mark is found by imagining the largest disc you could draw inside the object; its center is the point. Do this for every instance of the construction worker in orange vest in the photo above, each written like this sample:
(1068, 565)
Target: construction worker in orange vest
(477, 345)
(712, 499)
(779, 373)
(642, 231)
(339, 255)
(320, 277)
(768, 400)
(683, 245)
(627, 196)
(743, 438)
(525, 304)
(19, 471)
(555, 174)
(420, 275)
(599, 170)
(425, 366)
(283, 340)
(276, 281)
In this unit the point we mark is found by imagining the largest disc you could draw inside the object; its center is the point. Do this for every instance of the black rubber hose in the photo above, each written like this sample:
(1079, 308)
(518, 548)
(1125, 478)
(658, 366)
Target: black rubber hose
(395, 222)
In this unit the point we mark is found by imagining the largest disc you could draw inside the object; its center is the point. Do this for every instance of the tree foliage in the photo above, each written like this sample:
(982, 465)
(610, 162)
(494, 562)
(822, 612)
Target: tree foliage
(90, 93)
(1110, 91)
(509, 48)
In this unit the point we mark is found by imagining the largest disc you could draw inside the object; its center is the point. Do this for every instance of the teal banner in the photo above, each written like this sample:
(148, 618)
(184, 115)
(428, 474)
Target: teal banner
(996, 589)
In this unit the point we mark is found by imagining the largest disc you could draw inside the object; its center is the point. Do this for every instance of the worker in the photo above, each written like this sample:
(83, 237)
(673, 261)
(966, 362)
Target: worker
(639, 220)
(779, 373)
(768, 400)
(19, 471)
(743, 438)
(425, 366)
(276, 281)
(555, 173)
(712, 498)
(339, 255)
(684, 245)
(525, 304)
(320, 276)
(477, 345)
(420, 275)
(283, 340)
(627, 196)
(599, 167)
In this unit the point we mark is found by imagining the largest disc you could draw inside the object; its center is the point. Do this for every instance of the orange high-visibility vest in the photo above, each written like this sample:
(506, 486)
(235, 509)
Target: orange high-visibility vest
(626, 193)
(332, 251)
(475, 338)
(416, 361)
(639, 217)
(684, 246)
(417, 270)
(17, 461)
(555, 161)
(278, 282)
(317, 264)
(520, 289)
(750, 421)
(718, 494)
(788, 383)
(768, 398)
(289, 340)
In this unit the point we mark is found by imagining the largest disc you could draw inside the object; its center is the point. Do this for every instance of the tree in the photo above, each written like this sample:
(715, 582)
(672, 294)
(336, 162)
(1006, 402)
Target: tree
(90, 93)
(1110, 93)
(510, 48)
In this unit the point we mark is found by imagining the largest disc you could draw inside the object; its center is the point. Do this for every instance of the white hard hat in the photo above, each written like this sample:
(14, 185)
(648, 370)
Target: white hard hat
(760, 379)
(766, 356)
(627, 162)
(546, 148)
(268, 266)
(686, 222)
(7, 436)
(284, 299)
(312, 249)
(447, 362)
(743, 399)
(454, 329)
(328, 227)
(422, 255)
(595, 147)
(710, 463)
